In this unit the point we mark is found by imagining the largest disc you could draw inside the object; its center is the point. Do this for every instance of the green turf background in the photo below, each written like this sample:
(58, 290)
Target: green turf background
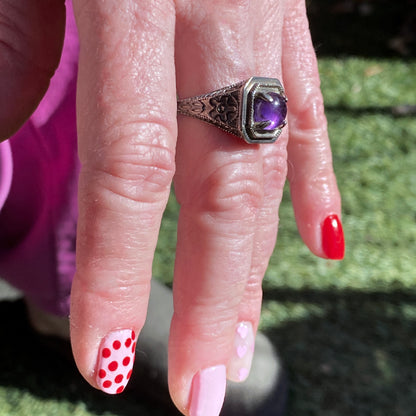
(346, 330)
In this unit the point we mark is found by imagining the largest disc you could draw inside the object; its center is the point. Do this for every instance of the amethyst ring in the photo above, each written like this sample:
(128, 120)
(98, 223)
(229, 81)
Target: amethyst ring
(254, 110)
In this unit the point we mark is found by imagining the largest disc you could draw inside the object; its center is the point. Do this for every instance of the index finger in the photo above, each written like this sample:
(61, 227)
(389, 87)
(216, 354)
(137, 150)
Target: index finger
(127, 132)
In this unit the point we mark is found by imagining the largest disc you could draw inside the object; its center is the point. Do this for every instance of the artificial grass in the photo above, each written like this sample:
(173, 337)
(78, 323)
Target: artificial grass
(345, 330)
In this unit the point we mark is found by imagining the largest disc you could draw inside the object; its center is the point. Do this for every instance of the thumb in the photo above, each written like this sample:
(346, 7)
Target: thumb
(31, 38)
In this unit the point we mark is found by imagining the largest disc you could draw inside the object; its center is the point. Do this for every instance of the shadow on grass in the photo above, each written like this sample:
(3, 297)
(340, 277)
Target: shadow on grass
(47, 373)
(353, 353)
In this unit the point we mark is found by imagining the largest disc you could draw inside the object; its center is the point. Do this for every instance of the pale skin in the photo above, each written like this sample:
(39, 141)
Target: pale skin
(135, 57)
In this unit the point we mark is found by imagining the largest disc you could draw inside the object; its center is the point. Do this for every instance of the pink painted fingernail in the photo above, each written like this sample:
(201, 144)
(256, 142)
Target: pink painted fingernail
(208, 391)
(240, 362)
(115, 361)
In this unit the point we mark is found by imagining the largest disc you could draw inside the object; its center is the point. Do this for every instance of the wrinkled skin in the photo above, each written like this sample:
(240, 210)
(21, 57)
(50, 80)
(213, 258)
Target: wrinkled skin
(135, 57)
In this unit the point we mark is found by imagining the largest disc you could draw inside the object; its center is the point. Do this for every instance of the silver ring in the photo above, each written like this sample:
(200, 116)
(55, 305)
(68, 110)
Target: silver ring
(254, 110)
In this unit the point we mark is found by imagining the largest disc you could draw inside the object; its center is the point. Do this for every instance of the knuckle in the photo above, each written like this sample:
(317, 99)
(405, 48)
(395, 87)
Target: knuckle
(275, 167)
(254, 290)
(310, 113)
(120, 289)
(202, 324)
(135, 169)
(320, 179)
(309, 147)
(233, 191)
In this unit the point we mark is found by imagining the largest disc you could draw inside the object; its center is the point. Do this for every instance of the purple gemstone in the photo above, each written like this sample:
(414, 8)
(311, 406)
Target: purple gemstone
(274, 110)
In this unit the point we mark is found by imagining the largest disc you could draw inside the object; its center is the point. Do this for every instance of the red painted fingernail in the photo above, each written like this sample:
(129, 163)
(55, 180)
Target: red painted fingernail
(115, 361)
(333, 242)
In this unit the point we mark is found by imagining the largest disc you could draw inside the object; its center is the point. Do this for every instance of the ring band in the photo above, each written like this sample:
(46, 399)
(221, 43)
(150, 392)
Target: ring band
(254, 110)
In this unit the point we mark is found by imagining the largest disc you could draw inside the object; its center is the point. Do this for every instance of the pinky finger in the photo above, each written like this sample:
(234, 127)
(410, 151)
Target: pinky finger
(315, 195)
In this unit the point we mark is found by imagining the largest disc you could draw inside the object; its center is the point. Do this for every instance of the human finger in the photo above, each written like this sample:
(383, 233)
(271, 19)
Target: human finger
(315, 196)
(219, 184)
(126, 113)
(31, 39)
(267, 48)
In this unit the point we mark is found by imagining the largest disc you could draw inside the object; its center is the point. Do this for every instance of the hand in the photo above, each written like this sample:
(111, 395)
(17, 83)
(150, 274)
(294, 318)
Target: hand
(135, 57)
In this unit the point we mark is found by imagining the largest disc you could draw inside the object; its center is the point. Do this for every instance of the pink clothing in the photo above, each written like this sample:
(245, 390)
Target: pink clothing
(38, 191)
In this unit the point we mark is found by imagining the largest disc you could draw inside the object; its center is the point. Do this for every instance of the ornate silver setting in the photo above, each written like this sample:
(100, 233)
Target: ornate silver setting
(232, 109)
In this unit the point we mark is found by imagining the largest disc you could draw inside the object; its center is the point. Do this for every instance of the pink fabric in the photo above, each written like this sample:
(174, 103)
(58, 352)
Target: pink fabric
(6, 171)
(38, 219)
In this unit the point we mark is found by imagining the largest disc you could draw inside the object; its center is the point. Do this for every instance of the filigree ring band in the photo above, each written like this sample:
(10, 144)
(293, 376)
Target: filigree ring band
(254, 110)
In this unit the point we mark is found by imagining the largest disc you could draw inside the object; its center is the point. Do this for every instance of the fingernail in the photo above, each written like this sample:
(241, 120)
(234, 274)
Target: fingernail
(115, 361)
(208, 391)
(243, 350)
(333, 238)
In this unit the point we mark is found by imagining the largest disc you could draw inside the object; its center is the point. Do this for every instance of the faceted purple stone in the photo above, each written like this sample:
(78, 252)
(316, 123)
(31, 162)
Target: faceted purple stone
(273, 111)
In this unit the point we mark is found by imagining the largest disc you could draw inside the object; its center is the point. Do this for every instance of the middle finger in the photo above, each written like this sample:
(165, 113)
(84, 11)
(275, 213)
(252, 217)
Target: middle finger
(220, 187)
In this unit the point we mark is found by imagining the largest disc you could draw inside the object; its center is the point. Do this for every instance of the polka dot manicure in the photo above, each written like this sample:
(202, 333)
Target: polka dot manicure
(115, 361)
